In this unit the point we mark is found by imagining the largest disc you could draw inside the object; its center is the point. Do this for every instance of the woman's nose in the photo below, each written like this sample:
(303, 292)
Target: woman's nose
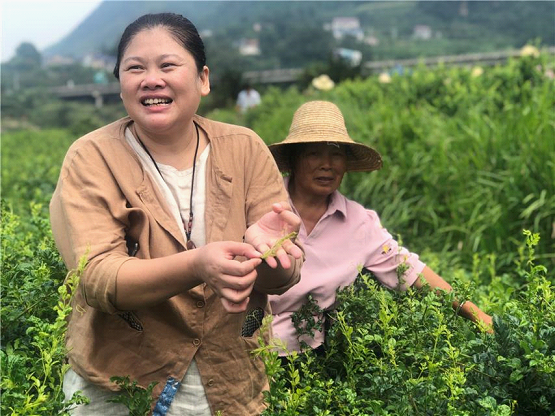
(153, 80)
(326, 162)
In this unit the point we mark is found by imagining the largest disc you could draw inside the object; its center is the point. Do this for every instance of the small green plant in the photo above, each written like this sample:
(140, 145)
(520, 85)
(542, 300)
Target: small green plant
(309, 318)
(33, 368)
(271, 252)
(136, 398)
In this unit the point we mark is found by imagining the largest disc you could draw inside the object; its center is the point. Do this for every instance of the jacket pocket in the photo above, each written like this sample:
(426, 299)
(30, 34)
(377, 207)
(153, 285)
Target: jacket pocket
(131, 320)
(252, 322)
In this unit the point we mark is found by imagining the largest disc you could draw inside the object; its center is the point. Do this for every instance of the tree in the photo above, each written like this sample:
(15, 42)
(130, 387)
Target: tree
(27, 57)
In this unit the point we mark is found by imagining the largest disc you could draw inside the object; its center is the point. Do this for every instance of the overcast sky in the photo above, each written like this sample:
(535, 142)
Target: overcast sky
(41, 22)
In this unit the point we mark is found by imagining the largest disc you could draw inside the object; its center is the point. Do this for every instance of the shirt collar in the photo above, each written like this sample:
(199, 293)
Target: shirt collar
(337, 204)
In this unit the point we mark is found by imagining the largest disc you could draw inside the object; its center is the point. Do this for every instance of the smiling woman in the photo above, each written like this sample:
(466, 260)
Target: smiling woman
(172, 212)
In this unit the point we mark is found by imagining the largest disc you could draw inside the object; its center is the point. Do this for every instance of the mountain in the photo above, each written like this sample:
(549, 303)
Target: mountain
(103, 27)
(284, 27)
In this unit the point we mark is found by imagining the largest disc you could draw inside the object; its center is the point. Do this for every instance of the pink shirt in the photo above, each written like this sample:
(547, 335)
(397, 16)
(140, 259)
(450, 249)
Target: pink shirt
(347, 237)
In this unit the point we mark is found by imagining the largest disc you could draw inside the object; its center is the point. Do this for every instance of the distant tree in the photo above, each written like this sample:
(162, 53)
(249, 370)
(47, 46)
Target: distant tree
(443, 10)
(27, 57)
(297, 45)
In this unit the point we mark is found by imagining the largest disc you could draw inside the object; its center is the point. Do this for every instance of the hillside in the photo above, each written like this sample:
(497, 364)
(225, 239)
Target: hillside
(291, 32)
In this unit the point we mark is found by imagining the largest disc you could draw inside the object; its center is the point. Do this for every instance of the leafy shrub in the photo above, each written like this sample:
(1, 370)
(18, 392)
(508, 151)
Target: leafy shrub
(35, 307)
(390, 353)
(31, 161)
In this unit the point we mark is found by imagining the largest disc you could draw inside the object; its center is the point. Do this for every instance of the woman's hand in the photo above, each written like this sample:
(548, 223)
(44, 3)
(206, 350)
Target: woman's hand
(270, 228)
(480, 318)
(231, 279)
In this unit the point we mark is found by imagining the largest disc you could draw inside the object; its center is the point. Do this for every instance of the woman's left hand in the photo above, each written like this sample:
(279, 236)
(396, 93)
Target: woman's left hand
(274, 225)
(485, 322)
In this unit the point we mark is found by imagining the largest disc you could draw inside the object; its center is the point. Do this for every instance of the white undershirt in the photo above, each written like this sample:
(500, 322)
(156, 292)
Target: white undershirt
(176, 188)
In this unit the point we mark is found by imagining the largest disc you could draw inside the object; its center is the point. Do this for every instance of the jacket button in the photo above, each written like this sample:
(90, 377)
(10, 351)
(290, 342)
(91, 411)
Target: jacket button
(210, 383)
(200, 304)
(196, 342)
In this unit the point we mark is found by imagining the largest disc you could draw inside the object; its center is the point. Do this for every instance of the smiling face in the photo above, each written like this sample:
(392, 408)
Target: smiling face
(161, 85)
(319, 169)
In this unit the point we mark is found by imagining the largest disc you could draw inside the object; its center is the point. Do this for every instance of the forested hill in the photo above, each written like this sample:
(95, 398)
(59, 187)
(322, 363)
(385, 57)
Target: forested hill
(290, 32)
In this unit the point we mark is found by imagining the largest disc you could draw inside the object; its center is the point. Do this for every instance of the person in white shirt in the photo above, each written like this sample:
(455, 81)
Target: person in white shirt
(247, 98)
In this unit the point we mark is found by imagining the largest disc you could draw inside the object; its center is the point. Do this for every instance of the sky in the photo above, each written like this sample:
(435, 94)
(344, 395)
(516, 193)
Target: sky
(40, 22)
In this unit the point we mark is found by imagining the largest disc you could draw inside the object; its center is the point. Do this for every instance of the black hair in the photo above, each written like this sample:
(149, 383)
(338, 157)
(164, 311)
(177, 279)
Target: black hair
(294, 152)
(179, 27)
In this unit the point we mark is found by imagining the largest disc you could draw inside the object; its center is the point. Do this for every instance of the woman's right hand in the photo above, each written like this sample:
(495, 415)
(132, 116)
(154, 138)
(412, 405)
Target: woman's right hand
(232, 280)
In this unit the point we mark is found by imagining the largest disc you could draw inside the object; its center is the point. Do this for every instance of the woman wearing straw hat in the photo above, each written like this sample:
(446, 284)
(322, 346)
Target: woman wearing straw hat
(338, 234)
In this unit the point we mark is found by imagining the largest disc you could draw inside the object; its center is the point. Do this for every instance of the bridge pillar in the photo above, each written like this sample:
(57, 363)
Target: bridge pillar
(98, 99)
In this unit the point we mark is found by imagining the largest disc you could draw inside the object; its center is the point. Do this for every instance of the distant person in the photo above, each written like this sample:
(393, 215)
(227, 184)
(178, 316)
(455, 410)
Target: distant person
(338, 234)
(247, 98)
(167, 296)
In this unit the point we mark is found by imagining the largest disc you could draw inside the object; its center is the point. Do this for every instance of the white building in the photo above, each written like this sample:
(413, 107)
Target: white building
(422, 32)
(346, 26)
(249, 47)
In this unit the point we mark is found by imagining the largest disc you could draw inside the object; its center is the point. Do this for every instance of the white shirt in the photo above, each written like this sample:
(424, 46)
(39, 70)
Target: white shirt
(176, 188)
(247, 99)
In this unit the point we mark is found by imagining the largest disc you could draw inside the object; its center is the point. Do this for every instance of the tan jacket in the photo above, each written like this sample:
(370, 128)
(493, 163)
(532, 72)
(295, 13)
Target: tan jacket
(103, 197)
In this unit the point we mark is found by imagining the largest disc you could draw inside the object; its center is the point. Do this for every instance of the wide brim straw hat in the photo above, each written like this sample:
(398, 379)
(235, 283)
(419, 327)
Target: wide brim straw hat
(322, 121)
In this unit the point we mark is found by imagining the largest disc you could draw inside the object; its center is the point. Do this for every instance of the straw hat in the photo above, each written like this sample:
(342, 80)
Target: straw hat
(322, 121)
(323, 83)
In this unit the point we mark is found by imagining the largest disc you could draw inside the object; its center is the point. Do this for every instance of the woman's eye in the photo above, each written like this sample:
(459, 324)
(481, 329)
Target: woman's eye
(167, 65)
(134, 68)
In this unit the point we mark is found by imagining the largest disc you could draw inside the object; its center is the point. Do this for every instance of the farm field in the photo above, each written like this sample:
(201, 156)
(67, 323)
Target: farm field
(468, 183)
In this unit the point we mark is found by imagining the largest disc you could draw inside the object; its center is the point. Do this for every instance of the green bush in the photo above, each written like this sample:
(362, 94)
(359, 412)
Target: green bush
(408, 353)
(35, 307)
(31, 161)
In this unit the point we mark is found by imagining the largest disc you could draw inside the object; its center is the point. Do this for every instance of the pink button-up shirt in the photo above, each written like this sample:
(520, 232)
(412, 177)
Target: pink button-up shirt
(347, 237)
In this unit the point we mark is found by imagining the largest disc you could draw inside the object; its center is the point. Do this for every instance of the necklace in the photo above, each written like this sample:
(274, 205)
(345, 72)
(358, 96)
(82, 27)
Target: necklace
(189, 225)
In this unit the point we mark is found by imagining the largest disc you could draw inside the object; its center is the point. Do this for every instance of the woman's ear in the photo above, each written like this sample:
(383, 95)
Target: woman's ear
(204, 81)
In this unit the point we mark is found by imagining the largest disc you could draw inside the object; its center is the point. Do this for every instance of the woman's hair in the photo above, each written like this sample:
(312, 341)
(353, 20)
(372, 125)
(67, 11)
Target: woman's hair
(181, 28)
(294, 152)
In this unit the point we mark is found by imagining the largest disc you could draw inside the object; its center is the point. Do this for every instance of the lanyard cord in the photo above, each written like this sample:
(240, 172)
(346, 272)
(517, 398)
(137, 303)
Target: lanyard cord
(189, 226)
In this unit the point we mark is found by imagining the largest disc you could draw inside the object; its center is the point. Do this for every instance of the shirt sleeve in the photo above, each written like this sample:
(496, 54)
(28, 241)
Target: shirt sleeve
(265, 187)
(393, 265)
(87, 214)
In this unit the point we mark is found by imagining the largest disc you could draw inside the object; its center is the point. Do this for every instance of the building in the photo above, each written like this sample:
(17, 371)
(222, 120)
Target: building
(346, 26)
(249, 47)
(99, 61)
(58, 60)
(422, 32)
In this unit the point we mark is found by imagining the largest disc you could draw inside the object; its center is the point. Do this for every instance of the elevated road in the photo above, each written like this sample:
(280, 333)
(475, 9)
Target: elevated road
(100, 93)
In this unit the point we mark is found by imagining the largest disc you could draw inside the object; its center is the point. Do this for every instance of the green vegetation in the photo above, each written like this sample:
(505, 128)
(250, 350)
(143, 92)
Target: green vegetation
(468, 165)
(390, 353)
(468, 159)
(35, 306)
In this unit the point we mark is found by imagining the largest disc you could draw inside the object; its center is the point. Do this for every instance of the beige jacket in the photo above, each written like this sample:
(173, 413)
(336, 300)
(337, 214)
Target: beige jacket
(103, 199)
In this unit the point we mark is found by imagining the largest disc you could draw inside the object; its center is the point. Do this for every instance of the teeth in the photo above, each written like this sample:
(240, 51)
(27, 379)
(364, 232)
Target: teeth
(154, 101)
